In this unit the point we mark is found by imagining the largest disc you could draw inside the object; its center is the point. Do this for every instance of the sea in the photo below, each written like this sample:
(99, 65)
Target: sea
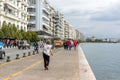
(104, 59)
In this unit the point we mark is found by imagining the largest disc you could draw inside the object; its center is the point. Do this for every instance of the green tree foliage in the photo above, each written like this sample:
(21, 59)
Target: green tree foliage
(28, 35)
(5, 30)
(10, 26)
(23, 33)
(19, 36)
(34, 37)
(1, 34)
(14, 28)
(11, 31)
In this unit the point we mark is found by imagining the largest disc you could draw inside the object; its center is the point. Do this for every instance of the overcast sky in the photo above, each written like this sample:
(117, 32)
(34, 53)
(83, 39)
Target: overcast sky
(100, 18)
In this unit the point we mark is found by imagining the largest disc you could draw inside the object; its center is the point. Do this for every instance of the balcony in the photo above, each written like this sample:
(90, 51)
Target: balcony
(32, 13)
(45, 25)
(10, 4)
(31, 22)
(46, 22)
(11, 16)
(31, 5)
(46, 10)
(47, 18)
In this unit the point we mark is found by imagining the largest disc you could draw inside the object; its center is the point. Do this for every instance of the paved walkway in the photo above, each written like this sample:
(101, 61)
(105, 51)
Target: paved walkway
(64, 65)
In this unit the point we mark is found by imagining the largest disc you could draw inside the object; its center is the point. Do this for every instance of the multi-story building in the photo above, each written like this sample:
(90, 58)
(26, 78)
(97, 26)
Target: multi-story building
(62, 27)
(59, 25)
(43, 19)
(66, 29)
(71, 32)
(52, 21)
(39, 17)
(31, 18)
(14, 12)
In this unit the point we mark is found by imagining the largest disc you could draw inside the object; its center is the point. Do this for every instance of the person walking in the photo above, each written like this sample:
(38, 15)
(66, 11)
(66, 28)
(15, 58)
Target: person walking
(68, 45)
(36, 46)
(75, 44)
(47, 51)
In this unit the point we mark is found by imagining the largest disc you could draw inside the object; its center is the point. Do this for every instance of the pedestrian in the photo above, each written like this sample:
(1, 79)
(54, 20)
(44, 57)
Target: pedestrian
(75, 44)
(65, 45)
(68, 45)
(41, 44)
(71, 44)
(47, 51)
(36, 46)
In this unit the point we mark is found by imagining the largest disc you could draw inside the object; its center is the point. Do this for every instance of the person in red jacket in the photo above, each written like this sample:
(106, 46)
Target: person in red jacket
(68, 45)
(75, 44)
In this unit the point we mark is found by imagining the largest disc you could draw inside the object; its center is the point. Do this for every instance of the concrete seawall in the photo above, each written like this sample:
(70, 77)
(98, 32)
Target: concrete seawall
(86, 72)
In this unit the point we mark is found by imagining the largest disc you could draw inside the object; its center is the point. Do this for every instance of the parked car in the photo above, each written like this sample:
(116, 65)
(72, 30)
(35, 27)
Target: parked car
(23, 44)
(2, 52)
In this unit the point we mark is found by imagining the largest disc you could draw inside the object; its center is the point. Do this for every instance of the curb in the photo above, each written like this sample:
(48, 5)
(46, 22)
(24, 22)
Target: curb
(86, 72)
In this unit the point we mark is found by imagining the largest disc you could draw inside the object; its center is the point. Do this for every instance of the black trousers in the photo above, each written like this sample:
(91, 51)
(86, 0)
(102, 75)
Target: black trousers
(46, 60)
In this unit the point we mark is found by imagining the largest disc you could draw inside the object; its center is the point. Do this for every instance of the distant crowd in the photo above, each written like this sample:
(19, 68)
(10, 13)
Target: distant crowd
(69, 44)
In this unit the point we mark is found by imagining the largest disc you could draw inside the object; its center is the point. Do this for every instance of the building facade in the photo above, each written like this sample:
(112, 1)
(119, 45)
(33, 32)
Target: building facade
(52, 21)
(47, 22)
(38, 15)
(14, 12)
(66, 29)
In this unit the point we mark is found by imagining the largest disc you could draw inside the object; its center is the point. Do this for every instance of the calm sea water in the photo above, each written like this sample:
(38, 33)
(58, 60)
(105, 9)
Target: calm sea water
(104, 59)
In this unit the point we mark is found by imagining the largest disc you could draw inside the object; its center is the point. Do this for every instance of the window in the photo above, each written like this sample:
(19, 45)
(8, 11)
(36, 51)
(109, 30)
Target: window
(32, 1)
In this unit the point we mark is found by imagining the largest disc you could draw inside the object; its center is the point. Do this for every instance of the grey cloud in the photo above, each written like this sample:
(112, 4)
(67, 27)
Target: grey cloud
(108, 15)
(100, 22)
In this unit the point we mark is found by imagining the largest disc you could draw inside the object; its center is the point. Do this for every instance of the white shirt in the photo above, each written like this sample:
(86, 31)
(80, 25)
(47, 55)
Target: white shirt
(46, 49)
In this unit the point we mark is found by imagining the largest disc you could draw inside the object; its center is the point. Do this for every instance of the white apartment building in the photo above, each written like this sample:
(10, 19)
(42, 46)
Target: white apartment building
(52, 21)
(14, 12)
(38, 16)
(59, 25)
(71, 32)
(66, 29)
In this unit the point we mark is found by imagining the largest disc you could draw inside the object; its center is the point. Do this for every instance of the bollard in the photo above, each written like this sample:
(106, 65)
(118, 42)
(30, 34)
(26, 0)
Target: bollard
(29, 54)
(17, 56)
(33, 52)
(8, 59)
(24, 55)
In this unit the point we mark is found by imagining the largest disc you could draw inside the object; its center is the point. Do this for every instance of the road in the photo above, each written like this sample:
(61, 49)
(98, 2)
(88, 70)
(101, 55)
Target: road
(12, 52)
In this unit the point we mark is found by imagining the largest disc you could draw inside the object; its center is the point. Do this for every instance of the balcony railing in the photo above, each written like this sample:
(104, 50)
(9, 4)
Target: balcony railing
(9, 15)
(31, 5)
(11, 4)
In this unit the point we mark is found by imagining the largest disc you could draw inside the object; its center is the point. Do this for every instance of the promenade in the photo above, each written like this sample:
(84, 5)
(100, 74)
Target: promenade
(64, 65)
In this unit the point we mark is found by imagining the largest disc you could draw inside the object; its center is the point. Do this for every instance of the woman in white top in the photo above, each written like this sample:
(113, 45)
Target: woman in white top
(47, 51)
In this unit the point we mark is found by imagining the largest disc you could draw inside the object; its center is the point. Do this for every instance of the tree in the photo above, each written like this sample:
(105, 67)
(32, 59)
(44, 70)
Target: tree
(14, 31)
(23, 34)
(1, 34)
(28, 36)
(34, 37)
(11, 31)
(19, 36)
(10, 26)
(5, 30)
